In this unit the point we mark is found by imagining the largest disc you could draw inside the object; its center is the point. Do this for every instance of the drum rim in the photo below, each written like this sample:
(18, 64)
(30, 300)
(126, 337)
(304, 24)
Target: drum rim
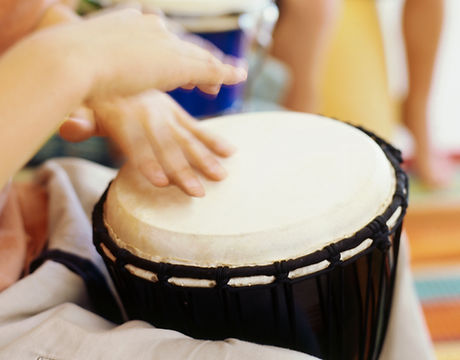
(377, 230)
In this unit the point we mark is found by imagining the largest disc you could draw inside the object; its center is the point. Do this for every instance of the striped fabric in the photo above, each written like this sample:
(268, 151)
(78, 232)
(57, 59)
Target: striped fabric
(433, 227)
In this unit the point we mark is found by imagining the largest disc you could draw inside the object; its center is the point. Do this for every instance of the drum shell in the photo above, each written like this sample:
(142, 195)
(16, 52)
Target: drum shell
(340, 312)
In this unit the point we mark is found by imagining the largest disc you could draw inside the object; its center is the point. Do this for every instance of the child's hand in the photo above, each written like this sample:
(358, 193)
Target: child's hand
(159, 138)
(94, 61)
(127, 53)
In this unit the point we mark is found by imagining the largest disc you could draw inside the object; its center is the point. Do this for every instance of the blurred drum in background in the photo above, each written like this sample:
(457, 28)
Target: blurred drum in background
(296, 248)
(229, 25)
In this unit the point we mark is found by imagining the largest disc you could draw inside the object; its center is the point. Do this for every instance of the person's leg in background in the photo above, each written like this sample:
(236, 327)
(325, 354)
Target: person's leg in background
(301, 41)
(422, 27)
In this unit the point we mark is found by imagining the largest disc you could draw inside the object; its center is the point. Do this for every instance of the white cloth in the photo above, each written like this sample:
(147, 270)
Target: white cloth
(46, 315)
(407, 336)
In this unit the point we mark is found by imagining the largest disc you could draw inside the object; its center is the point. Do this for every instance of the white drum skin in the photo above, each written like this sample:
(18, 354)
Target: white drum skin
(297, 183)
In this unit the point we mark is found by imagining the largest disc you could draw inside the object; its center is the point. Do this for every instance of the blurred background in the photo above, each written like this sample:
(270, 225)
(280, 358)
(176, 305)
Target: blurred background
(433, 221)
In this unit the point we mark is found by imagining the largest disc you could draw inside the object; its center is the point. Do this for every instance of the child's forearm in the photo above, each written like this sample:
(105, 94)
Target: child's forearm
(35, 97)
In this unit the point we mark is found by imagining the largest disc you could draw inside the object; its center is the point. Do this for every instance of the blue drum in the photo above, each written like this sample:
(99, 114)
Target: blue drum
(227, 24)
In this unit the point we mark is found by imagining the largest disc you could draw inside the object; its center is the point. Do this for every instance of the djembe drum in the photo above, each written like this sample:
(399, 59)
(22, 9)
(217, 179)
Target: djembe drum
(296, 248)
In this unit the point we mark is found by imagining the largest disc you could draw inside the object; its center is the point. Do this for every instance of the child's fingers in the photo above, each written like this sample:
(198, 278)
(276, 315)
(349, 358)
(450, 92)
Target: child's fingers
(188, 87)
(162, 141)
(203, 44)
(80, 125)
(124, 128)
(203, 68)
(215, 143)
(211, 71)
(172, 158)
(141, 155)
(77, 129)
(198, 155)
(210, 89)
(208, 69)
(151, 169)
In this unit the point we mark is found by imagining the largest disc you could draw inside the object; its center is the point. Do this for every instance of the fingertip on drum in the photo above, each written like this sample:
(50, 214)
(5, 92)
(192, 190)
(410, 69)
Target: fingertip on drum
(193, 188)
(215, 172)
(225, 149)
(155, 175)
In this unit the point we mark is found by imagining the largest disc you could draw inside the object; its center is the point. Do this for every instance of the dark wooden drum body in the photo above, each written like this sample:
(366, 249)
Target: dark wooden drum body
(333, 303)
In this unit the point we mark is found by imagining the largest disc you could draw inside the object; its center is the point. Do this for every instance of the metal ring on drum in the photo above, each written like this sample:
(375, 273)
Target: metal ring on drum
(296, 248)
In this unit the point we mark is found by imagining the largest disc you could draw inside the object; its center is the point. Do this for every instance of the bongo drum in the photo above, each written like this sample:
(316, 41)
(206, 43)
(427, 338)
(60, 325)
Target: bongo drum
(227, 24)
(296, 248)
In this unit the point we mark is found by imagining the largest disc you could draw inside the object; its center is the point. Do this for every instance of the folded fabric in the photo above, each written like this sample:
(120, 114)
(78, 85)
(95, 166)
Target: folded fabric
(49, 313)
(33, 203)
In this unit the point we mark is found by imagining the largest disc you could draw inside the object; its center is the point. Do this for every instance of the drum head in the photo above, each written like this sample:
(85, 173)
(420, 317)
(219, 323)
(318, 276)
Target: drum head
(296, 184)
